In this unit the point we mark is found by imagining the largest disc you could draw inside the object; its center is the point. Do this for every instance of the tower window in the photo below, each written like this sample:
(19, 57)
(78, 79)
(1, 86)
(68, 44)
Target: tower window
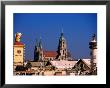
(18, 51)
(63, 52)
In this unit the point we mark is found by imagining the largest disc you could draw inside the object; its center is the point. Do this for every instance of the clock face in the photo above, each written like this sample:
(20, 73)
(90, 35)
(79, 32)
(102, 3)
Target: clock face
(18, 51)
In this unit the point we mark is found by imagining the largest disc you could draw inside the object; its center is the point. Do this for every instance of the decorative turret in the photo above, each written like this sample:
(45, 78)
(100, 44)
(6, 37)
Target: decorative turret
(93, 47)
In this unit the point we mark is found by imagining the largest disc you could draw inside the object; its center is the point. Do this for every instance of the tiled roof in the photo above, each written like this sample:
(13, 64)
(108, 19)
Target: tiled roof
(18, 43)
(87, 61)
(50, 53)
(37, 64)
(63, 64)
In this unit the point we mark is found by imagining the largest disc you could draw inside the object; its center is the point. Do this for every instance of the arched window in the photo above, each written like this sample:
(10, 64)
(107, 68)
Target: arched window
(63, 52)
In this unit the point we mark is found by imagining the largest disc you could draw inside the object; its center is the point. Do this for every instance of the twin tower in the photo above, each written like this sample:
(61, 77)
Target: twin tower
(61, 51)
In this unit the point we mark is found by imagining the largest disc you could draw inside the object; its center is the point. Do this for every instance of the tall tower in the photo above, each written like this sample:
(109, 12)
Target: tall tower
(62, 48)
(93, 52)
(19, 50)
(38, 51)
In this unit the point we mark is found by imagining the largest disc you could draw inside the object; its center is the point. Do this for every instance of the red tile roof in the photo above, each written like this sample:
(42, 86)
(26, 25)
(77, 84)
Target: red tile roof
(18, 43)
(50, 53)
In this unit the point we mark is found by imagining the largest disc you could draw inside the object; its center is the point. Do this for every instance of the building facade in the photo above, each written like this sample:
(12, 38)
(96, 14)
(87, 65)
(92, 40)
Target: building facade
(18, 49)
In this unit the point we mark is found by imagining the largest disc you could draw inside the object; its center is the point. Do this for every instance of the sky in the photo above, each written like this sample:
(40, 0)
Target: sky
(78, 29)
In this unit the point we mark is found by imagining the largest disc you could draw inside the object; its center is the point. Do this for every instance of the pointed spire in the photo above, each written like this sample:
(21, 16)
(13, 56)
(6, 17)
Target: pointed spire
(36, 42)
(40, 43)
(62, 30)
(40, 40)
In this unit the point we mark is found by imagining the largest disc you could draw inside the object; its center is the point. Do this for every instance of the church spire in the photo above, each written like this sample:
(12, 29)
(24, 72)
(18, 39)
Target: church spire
(62, 35)
(62, 31)
(36, 42)
(40, 43)
(36, 51)
(62, 48)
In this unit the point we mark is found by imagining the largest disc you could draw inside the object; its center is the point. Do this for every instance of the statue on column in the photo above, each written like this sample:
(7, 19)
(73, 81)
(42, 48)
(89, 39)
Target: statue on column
(18, 36)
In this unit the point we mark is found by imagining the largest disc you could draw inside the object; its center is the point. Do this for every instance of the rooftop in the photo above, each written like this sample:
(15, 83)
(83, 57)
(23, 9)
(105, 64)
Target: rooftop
(50, 53)
(18, 43)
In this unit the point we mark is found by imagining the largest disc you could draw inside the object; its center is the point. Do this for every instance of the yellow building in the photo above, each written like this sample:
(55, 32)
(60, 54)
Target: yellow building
(18, 51)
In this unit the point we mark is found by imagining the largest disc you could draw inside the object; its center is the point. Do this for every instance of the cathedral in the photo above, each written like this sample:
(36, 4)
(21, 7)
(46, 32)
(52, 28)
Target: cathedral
(60, 54)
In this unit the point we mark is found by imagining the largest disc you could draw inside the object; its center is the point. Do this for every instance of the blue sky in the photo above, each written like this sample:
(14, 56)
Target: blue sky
(77, 27)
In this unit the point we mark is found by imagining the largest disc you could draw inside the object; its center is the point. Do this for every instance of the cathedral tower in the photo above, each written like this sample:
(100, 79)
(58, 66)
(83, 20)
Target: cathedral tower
(38, 51)
(93, 47)
(62, 48)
